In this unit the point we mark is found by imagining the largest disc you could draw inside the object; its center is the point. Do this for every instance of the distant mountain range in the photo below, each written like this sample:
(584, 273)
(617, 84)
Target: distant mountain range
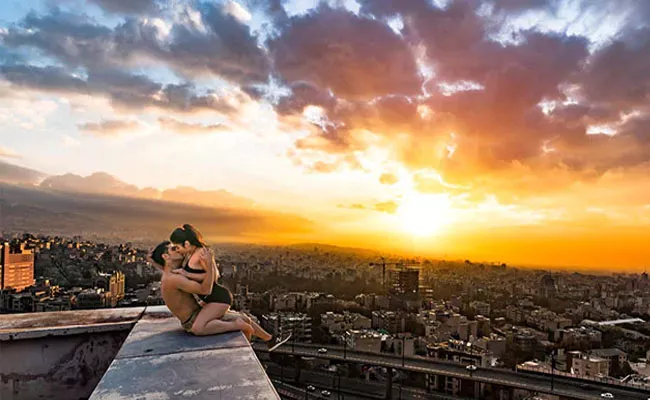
(103, 183)
(102, 205)
(16, 175)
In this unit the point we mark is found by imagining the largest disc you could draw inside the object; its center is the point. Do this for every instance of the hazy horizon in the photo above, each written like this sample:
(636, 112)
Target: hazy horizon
(489, 130)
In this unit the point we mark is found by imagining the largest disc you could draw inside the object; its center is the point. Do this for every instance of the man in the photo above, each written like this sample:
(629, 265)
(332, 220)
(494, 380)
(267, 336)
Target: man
(177, 291)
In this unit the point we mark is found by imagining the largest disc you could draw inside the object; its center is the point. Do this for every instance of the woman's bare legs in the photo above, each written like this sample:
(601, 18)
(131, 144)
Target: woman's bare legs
(258, 331)
(209, 321)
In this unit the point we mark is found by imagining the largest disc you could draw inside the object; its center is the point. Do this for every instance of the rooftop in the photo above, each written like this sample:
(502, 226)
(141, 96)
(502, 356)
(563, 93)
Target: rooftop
(155, 358)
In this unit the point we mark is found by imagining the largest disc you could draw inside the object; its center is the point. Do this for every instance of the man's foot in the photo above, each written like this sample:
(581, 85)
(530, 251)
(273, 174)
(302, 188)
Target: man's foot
(277, 342)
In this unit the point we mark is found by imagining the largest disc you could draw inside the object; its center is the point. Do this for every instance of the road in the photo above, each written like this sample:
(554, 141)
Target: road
(351, 388)
(563, 386)
(298, 393)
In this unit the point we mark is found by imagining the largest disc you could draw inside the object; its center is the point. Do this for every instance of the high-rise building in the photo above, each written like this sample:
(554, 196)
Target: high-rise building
(404, 282)
(548, 287)
(16, 267)
(116, 287)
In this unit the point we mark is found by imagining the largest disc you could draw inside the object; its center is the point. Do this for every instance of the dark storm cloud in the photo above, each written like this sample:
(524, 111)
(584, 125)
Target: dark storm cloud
(228, 49)
(581, 115)
(355, 57)
(123, 89)
(127, 6)
(303, 95)
(619, 74)
(74, 39)
(496, 125)
(218, 44)
(43, 78)
(274, 9)
(365, 78)
(523, 5)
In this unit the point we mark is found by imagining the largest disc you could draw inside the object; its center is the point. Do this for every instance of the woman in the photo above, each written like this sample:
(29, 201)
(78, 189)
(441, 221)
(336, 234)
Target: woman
(216, 307)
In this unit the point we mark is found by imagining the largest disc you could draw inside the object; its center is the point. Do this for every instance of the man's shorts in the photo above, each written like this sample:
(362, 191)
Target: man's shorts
(187, 325)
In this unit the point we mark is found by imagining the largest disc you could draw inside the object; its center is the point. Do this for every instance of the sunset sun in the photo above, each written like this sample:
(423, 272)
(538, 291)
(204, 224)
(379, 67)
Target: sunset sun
(424, 215)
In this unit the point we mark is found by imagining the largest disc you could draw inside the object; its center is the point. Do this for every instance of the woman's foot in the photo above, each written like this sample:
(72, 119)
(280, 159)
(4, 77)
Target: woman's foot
(246, 329)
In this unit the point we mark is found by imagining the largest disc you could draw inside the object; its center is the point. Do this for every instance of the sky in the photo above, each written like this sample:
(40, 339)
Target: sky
(504, 130)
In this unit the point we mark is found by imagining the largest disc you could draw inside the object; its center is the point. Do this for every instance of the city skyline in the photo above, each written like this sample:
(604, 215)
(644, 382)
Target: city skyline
(491, 130)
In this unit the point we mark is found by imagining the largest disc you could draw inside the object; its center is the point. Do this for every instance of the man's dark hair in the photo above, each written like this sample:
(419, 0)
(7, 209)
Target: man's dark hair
(157, 253)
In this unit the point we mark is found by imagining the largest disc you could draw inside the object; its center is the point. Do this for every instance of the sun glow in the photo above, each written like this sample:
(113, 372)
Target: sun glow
(425, 215)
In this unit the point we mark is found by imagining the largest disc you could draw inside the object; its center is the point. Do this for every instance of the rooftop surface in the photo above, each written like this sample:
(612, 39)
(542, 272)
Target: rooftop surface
(158, 360)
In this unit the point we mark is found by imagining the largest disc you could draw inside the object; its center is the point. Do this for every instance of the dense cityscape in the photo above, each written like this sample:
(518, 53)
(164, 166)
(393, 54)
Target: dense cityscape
(324, 199)
(487, 315)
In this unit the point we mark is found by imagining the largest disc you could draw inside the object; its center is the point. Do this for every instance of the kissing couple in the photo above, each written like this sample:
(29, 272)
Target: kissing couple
(190, 289)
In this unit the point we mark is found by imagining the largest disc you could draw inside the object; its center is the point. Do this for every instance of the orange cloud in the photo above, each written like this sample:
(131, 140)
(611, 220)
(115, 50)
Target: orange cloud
(174, 125)
(388, 179)
(109, 127)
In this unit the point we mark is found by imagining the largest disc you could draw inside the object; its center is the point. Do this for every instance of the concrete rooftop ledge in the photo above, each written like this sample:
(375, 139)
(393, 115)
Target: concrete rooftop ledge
(65, 323)
(160, 361)
(123, 353)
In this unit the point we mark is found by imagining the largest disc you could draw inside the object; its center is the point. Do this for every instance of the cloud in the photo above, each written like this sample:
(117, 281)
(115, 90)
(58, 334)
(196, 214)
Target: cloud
(107, 215)
(355, 206)
(69, 141)
(98, 183)
(109, 127)
(43, 78)
(15, 174)
(126, 91)
(274, 9)
(388, 179)
(211, 198)
(128, 7)
(324, 167)
(106, 184)
(208, 41)
(355, 57)
(174, 125)
(237, 10)
(617, 76)
(522, 5)
(445, 94)
(302, 95)
(72, 38)
(6, 152)
(464, 135)
(203, 41)
(492, 127)
(427, 183)
(389, 207)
